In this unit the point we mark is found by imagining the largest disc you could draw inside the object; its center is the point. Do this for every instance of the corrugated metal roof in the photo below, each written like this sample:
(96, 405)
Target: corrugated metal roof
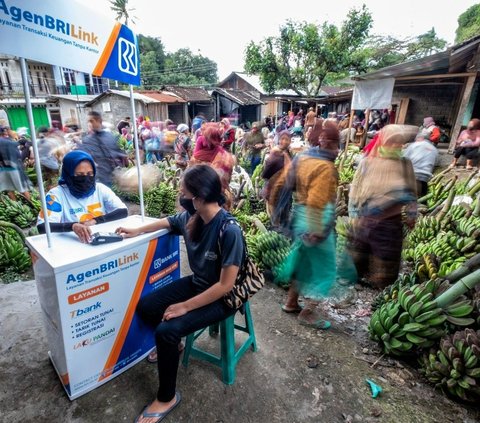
(243, 98)
(82, 98)
(139, 97)
(453, 60)
(163, 97)
(192, 94)
(424, 66)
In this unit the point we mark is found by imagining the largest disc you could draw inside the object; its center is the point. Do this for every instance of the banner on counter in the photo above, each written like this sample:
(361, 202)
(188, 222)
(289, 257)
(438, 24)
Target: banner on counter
(70, 35)
(102, 334)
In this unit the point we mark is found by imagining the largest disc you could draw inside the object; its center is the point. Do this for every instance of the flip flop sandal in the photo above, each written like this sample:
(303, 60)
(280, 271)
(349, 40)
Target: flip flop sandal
(318, 324)
(292, 310)
(159, 416)
(153, 358)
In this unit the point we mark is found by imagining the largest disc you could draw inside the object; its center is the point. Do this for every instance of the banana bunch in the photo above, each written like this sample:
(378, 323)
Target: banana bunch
(460, 312)
(455, 365)
(13, 253)
(390, 293)
(161, 200)
(428, 267)
(346, 174)
(16, 212)
(272, 248)
(425, 230)
(457, 212)
(448, 266)
(127, 196)
(248, 221)
(468, 226)
(438, 192)
(413, 321)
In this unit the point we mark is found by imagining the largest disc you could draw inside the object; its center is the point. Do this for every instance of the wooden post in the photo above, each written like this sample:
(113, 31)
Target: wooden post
(340, 167)
(467, 92)
(364, 139)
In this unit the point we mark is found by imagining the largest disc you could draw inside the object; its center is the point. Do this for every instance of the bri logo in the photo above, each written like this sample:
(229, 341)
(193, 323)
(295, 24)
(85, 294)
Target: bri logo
(127, 56)
(83, 311)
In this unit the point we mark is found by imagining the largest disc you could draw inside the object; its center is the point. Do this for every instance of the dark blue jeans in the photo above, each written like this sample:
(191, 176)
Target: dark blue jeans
(169, 333)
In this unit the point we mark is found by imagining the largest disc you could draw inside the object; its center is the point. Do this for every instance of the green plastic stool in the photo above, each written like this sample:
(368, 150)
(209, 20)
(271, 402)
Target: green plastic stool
(229, 357)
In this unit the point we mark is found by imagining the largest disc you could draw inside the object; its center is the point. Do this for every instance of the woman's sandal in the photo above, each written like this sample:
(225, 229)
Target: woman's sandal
(289, 310)
(153, 358)
(317, 324)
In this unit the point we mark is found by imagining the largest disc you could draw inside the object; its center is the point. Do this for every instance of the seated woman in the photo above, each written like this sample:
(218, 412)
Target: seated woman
(467, 144)
(215, 252)
(78, 202)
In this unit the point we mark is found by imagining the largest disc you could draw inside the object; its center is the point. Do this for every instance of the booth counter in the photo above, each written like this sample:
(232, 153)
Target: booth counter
(88, 296)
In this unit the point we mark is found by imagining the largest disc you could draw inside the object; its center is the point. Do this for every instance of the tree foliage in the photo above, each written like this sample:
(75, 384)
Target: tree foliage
(181, 67)
(468, 24)
(382, 51)
(122, 11)
(303, 54)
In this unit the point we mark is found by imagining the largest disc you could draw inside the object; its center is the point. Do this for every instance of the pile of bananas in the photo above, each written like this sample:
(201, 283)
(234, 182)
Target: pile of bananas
(16, 212)
(390, 293)
(161, 200)
(13, 253)
(133, 197)
(455, 366)
(468, 226)
(425, 230)
(248, 222)
(268, 249)
(415, 321)
(438, 192)
(345, 175)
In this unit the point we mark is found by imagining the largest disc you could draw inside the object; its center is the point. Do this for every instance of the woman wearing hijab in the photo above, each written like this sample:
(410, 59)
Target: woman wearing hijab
(310, 264)
(208, 149)
(182, 146)
(228, 135)
(382, 199)
(78, 202)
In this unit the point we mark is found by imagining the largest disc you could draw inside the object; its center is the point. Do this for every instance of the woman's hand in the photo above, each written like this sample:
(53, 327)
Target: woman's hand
(175, 310)
(82, 231)
(90, 222)
(127, 232)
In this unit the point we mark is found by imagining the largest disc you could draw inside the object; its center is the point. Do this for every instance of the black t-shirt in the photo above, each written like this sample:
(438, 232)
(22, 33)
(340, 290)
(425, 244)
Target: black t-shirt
(204, 256)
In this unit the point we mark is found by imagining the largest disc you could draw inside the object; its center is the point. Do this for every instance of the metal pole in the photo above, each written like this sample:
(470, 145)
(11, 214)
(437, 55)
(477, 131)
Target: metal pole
(137, 153)
(38, 169)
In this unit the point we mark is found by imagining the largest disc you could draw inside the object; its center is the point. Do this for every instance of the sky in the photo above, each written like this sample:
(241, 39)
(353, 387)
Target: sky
(221, 30)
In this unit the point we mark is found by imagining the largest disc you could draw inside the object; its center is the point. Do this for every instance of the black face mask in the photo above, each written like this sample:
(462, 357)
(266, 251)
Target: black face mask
(83, 183)
(187, 204)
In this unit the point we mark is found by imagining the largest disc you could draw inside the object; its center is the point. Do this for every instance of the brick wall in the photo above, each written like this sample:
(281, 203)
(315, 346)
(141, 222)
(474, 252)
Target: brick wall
(436, 101)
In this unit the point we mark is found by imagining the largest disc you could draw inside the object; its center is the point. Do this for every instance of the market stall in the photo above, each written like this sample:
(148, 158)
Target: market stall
(88, 294)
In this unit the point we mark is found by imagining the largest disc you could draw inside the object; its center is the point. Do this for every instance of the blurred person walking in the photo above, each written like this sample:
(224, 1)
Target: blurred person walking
(382, 199)
(254, 144)
(12, 174)
(313, 178)
(104, 149)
